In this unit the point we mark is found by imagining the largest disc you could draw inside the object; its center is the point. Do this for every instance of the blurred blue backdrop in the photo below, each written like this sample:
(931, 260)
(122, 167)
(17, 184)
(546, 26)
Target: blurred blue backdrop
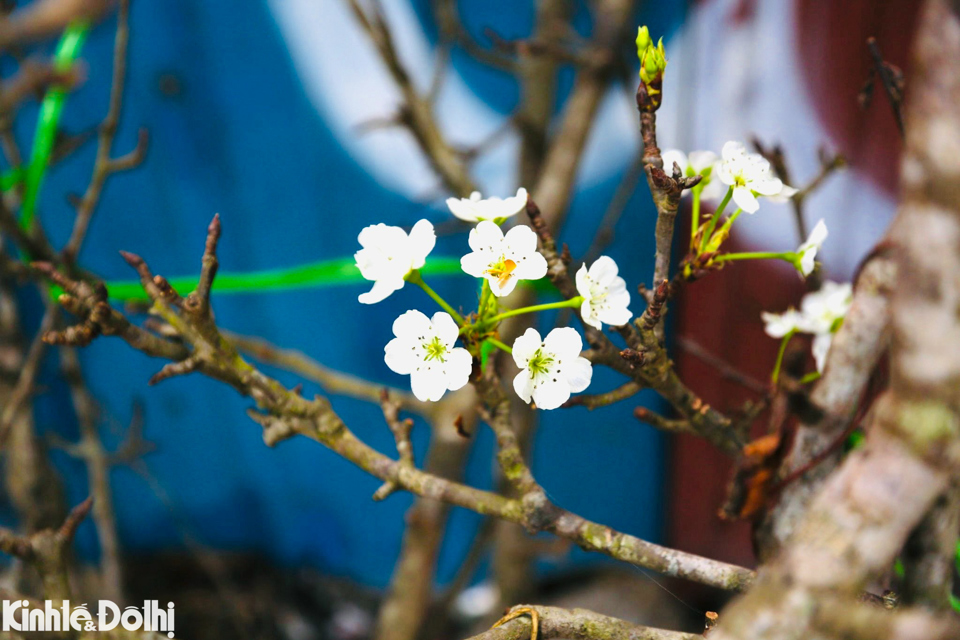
(233, 130)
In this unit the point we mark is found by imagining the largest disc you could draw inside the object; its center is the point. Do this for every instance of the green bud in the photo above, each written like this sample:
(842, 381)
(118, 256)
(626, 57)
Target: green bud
(653, 59)
(643, 40)
(650, 64)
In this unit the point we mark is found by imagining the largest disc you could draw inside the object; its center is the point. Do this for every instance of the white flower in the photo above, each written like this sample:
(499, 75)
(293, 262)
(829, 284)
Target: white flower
(605, 295)
(550, 369)
(807, 252)
(821, 314)
(389, 254)
(476, 208)
(822, 310)
(698, 162)
(777, 325)
(423, 349)
(748, 174)
(503, 259)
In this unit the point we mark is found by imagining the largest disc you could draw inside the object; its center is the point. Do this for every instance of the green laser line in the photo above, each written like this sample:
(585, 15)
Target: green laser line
(49, 121)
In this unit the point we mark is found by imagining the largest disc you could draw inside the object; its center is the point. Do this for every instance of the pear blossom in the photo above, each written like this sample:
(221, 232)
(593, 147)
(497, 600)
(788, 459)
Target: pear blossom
(389, 254)
(477, 208)
(605, 295)
(777, 325)
(749, 174)
(821, 314)
(823, 310)
(503, 259)
(697, 163)
(423, 349)
(807, 252)
(551, 368)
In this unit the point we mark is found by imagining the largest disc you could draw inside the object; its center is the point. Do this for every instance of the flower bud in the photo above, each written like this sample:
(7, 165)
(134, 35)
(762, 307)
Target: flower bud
(653, 62)
(643, 40)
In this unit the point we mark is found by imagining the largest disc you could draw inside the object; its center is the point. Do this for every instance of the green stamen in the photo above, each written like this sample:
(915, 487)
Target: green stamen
(435, 350)
(539, 363)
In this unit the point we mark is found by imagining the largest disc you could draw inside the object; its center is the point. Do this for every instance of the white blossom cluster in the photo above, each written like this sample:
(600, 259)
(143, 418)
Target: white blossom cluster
(551, 368)
(748, 177)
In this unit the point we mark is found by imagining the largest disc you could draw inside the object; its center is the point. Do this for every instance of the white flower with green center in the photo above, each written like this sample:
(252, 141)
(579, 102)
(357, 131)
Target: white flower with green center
(550, 368)
(697, 163)
(749, 174)
(477, 208)
(389, 254)
(605, 296)
(423, 349)
(503, 259)
(807, 252)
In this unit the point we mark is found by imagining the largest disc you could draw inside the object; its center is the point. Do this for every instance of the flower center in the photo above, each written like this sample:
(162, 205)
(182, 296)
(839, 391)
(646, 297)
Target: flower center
(435, 350)
(501, 270)
(539, 363)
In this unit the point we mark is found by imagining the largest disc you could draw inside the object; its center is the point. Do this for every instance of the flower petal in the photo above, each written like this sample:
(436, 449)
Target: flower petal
(745, 199)
(413, 325)
(475, 264)
(486, 236)
(821, 347)
(550, 394)
(400, 354)
(578, 372)
(521, 240)
(380, 290)
(523, 385)
(421, 241)
(604, 270)
(588, 315)
(458, 367)
(533, 268)
(428, 385)
(564, 341)
(733, 150)
(525, 346)
(445, 328)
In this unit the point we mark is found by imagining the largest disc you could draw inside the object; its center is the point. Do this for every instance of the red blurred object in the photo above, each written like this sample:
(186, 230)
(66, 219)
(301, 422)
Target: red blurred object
(831, 40)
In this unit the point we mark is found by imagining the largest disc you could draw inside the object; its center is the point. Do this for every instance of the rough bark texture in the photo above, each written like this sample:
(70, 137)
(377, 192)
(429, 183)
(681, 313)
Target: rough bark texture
(576, 624)
(856, 349)
(860, 519)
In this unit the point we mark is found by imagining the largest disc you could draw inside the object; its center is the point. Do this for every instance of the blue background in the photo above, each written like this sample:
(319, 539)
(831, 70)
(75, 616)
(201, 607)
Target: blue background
(233, 132)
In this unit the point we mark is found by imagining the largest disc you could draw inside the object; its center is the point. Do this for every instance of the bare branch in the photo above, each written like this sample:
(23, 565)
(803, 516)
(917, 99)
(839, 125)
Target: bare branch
(580, 624)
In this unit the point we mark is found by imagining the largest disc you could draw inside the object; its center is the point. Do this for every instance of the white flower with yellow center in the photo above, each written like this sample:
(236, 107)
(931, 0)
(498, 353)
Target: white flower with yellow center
(605, 296)
(389, 254)
(550, 368)
(807, 252)
(477, 208)
(503, 259)
(697, 163)
(749, 174)
(423, 349)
